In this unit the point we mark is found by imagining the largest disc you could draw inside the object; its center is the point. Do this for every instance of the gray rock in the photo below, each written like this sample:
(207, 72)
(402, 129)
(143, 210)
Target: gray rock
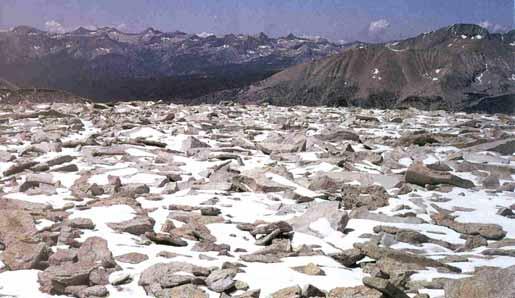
(378, 253)
(152, 277)
(267, 239)
(23, 255)
(94, 291)
(499, 252)
(188, 290)
(505, 212)
(55, 279)
(165, 239)
(66, 168)
(119, 278)
(355, 292)
(504, 147)
(488, 231)
(134, 190)
(475, 241)
(291, 292)
(256, 181)
(19, 167)
(193, 143)
(15, 224)
(221, 280)
(95, 251)
(205, 246)
(363, 213)
(136, 226)
(62, 256)
(384, 286)
(270, 148)
(329, 211)
(349, 257)
(260, 258)
(81, 223)
(491, 182)
(210, 211)
(132, 258)
(312, 291)
(266, 229)
(419, 174)
(309, 269)
(337, 135)
(371, 197)
(60, 160)
(487, 283)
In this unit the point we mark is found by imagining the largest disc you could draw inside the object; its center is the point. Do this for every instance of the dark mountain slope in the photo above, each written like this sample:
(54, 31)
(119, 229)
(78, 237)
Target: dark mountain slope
(4, 84)
(12, 94)
(461, 67)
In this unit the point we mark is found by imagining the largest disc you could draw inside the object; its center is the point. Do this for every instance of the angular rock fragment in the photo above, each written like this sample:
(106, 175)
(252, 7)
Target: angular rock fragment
(221, 280)
(355, 292)
(349, 257)
(338, 135)
(81, 223)
(325, 212)
(193, 143)
(153, 278)
(55, 279)
(421, 175)
(384, 286)
(205, 246)
(291, 292)
(378, 253)
(95, 251)
(309, 269)
(371, 197)
(487, 283)
(412, 236)
(504, 147)
(188, 290)
(165, 239)
(136, 226)
(256, 181)
(210, 211)
(24, 255)
(132, 258)
(269, 148)
(119, 278)
(488, 231)
(66, 168)
(20, 167)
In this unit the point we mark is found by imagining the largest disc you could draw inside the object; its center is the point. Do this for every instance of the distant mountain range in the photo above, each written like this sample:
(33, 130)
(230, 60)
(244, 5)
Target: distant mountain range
(458, 68)
(107, 64)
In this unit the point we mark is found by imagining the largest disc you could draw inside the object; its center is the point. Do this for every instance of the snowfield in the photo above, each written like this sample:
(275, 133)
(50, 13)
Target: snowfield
(148, 199)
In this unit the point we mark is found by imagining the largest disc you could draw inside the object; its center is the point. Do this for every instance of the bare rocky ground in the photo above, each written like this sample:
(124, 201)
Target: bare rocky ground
(148, 199)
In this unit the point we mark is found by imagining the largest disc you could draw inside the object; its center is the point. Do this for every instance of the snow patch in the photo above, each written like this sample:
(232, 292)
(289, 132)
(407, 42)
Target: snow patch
(375, 74)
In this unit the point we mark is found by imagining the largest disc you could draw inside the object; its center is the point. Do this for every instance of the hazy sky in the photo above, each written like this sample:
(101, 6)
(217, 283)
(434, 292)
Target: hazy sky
(335, 19)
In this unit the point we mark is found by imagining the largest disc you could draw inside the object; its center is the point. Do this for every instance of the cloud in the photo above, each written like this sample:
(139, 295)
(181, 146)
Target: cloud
(492, 27)
(378, 26)
(121, 27)
(54, 27)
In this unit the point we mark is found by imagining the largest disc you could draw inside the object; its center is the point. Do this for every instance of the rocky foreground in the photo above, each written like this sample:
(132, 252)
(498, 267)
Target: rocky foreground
(148, 199)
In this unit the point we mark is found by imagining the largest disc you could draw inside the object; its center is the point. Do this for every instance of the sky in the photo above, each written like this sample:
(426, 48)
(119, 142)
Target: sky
(346, 20)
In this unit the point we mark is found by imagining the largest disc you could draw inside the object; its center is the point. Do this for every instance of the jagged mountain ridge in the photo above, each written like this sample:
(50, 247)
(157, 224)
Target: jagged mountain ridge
(106, 63)
(460, 67)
